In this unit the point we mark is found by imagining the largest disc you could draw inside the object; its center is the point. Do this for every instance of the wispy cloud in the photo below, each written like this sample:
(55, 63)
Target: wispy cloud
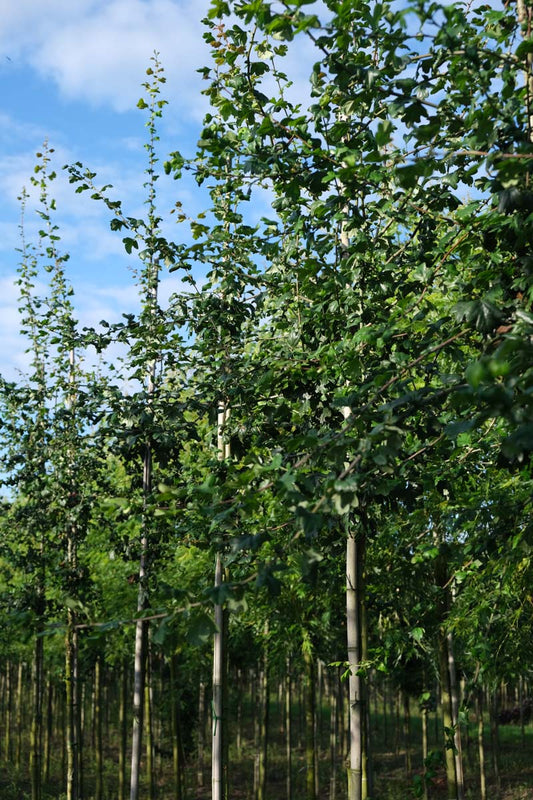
(96, 50)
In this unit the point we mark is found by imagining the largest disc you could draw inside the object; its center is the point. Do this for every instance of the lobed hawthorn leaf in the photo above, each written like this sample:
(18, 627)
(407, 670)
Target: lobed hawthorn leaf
(482, 313)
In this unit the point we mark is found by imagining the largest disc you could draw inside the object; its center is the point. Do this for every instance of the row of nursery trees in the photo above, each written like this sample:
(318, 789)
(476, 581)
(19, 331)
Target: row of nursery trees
(317, 488)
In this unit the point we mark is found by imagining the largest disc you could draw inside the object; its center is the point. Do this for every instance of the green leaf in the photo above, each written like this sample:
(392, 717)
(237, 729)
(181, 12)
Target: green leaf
(130, 244)
(200, 629)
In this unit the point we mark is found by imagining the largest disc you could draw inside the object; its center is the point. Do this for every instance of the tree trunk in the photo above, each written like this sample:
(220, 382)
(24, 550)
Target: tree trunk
(288, 727)
(139, 674)
(481, 747)
(310, 724)
(385, 714)
(354, 593)
(36, 723)
(148, 723)
(454, 696)
(397, 722)
(7, 714)
(425, 748)
(333, 735)
(219, 766)
(407, 735)
(447, 716)
(367, 788)
(521, 707)
(176, 733)
(495, 742)
(99, 793)
(240, 696)
(201, 735)
(72, 703)
(122, 724)
(217, 763)
(264, 705)
(48, 731)
(141, 627)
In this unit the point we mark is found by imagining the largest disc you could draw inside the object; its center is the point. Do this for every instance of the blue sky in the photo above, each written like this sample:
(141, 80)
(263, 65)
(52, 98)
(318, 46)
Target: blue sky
(71, 73)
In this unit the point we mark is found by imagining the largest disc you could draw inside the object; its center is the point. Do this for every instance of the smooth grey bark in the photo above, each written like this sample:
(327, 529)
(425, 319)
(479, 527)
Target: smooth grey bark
(219, 770)
(8, 709)
(18, 716)
(407, 735)
(99, 789)
(353, 627)
(72, 692)
(495, 742)
(201, 735)
(217, 757)
(36, 723)
(139, 668)
(454, 696)
(425, 748)
(149, 724)
(264, 706)
(47, 747)
(122, 724)
(481, 747)
(333, 735)
(177, 755)
(288, 727)
(310, 725)
(447, 715)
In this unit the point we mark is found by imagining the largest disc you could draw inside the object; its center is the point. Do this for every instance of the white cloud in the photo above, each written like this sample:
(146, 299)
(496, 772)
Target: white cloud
(98, 51)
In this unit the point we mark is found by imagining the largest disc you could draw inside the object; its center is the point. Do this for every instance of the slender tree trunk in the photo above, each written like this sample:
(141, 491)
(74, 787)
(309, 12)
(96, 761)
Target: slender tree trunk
(447, 716)
(240, 695)
(36, 723)
(310, 725)
(397, 722)
(148, 720)
(319, 701)
(72, 703)
(7, 715)
(80, 722)
(217, 764)
(141, 627)
(367, 788)
(354, 593)
(48, 731)
(521, 707)
(99, 793)
(201, 735)
(176, 733)
(481, 747)
(256, 725)
(333, 735)
(150, 282)
(264, 705)
(458, 753)
(139, 675)
(288, 726)
(123, 736)
(407, 735)
(425, 748)
(495, 742)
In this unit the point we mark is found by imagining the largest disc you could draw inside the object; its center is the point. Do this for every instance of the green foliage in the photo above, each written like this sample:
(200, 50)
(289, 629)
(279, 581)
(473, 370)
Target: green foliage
(367, 344)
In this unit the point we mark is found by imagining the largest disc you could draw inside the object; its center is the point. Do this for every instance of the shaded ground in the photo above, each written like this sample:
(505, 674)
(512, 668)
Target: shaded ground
(391, 782)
